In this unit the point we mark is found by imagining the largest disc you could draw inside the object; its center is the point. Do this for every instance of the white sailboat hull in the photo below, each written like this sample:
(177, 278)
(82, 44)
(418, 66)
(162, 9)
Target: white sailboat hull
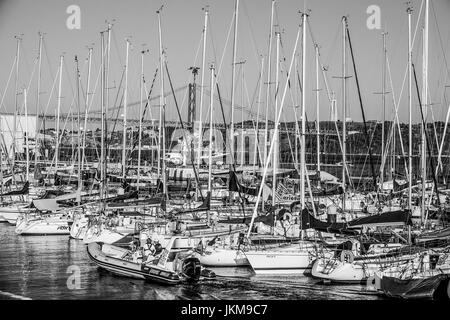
(341, 272)
(295, 259)
(273, 262)
(11, 213)
(358, 272)
(220, 257)
(44, 227)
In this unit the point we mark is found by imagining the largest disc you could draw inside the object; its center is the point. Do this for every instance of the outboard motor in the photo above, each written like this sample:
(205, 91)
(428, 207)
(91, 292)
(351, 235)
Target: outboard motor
(191, 268)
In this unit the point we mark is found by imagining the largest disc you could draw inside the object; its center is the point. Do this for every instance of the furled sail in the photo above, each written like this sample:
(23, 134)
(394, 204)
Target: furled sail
(205, 206)
(234, 185)
(390, 218)
(25, 189)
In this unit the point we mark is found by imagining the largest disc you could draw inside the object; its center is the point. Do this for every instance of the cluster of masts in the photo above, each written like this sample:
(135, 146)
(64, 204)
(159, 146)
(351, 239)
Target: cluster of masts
(269, 155)
(182, 224)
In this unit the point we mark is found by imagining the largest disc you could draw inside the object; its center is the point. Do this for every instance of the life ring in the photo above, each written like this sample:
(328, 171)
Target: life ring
(347, 256)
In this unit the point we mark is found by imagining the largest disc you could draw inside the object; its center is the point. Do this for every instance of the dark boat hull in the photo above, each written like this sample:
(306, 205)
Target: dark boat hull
(435, 288)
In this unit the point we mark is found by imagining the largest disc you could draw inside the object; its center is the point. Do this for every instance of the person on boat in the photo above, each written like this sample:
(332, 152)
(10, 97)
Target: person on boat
(158, 247)
(148, 250)
(225, 200)
(214, 220)
(135, 252)
(180, 227)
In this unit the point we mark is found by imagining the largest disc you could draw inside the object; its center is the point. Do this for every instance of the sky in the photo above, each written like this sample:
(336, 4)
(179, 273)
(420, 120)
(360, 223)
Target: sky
(182, 25)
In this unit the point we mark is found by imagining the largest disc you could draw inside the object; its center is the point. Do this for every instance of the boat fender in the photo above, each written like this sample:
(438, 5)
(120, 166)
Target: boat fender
(347, 256)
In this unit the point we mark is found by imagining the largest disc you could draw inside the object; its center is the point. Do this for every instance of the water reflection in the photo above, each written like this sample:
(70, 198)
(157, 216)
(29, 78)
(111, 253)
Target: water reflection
(37, 267)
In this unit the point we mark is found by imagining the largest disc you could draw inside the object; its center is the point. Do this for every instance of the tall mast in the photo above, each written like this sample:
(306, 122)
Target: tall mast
(211, 103)
(86, 107)
(317, 112)
(102, 98)
(160, 101)
(409, 11)
(36, 138)
(277, 120)
(61, 59)
(106, 70)
(233, 68)
(140, 117)
(19, 39)
(200, 127)
(255, 152)
(303, 146)
(1, 161)
(344, 109)
(27, 147)
(266, 159)
(242, 114)
(297, 130)
(78, 127)
(125, 99)
(162, 132)
(424, 108)
(275, 130)
(383, 111)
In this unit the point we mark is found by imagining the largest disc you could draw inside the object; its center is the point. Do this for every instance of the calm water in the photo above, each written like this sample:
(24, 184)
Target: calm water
(36, 267)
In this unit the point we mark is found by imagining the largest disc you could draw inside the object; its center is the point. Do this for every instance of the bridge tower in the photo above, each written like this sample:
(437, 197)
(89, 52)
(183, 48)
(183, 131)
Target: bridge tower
(192, 98)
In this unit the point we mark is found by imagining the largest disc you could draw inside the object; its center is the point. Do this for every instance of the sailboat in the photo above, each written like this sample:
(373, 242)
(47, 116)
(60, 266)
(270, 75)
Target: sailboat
(296, 257)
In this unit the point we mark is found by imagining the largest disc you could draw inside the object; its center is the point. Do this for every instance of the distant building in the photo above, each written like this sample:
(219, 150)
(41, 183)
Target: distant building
(18, 133)
(244, 145)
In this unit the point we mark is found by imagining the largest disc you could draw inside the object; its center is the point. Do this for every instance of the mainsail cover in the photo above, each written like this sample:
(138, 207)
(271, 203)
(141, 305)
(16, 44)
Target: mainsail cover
(336, 190)
(390, 218)
(267, 219)
(205, 206)
(136, 203)
(25, 189)
(308, 221)
(437, 238)
(125, 196)
(234, 185)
